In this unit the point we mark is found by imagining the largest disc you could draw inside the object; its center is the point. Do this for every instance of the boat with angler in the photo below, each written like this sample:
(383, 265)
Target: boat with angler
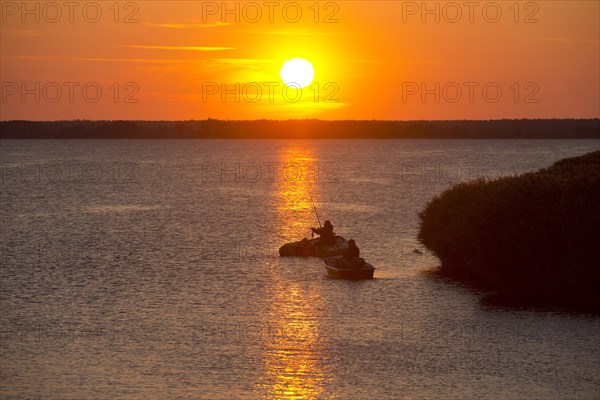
(314, 248)
(343, 268)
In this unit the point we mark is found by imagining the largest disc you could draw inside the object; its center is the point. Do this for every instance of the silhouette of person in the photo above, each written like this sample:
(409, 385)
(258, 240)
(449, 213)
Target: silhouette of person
(352, 251)
(325, 233)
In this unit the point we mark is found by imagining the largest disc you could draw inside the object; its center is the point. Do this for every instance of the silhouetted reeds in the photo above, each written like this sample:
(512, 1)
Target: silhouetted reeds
(534, 239)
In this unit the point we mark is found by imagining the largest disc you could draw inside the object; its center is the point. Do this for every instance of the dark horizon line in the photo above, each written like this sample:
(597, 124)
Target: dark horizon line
(306, 119)
(303, 129)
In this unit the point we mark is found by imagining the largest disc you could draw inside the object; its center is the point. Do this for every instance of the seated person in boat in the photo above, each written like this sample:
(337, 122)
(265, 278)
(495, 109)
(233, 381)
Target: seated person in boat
(353, 251)
(326, 233)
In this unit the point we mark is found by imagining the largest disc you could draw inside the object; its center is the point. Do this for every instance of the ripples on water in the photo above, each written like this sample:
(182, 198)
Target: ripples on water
(149, 269)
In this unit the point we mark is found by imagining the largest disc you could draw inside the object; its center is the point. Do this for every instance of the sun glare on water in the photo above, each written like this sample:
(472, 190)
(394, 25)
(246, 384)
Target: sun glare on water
(297, 73)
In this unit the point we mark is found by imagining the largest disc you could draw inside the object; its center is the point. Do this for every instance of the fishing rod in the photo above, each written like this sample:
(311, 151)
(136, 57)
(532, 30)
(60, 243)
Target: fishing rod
(315, 208)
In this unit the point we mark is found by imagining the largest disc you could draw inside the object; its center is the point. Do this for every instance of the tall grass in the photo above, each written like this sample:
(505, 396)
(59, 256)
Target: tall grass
(533, 238)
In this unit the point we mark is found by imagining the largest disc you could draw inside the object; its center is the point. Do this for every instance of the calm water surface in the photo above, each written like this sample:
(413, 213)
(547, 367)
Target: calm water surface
(149, 269)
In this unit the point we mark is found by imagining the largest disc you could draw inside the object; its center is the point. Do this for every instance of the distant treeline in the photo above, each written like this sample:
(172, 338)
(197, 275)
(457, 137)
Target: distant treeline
(303, 129)
(532, 239)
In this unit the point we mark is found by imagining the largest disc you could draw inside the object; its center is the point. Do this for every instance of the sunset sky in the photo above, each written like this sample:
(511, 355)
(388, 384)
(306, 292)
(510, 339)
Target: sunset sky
(390, 60)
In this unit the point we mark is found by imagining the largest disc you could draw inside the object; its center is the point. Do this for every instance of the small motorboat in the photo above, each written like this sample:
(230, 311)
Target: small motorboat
(356, 268)
(313, 248)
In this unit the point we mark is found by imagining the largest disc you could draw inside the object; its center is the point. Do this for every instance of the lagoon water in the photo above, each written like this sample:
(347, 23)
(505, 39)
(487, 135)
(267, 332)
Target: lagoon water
(149, 269)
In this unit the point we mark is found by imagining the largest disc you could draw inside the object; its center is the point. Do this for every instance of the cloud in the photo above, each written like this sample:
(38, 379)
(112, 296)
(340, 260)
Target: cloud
(239, 61)
(30, 58)
(291, 32)
(570, 40)
(303, 108)
(188, 25)
(93, 59)
(35, 33)
(185, 48)
(133, 60)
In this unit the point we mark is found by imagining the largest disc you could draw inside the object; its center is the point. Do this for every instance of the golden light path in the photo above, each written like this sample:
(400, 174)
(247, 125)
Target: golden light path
(293, 356)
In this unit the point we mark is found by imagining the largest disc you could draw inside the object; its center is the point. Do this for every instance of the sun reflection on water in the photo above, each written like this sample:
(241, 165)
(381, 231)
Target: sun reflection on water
(296, 192)
(294, 357)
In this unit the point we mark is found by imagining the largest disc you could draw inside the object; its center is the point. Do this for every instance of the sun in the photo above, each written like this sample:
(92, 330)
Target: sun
(297, 73)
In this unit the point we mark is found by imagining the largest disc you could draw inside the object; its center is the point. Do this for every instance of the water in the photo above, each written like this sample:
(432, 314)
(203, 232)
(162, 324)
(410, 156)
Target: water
(149, 269)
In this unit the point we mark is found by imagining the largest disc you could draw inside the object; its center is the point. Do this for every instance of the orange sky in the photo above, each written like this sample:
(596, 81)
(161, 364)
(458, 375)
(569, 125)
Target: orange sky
(372, 60)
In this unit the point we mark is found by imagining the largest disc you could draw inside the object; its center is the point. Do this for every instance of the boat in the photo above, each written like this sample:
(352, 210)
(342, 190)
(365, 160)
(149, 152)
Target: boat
(313, 248)
(358, 268)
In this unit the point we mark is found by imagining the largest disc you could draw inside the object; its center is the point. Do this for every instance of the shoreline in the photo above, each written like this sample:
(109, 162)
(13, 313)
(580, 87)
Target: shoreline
(530, 239)
(304, 129)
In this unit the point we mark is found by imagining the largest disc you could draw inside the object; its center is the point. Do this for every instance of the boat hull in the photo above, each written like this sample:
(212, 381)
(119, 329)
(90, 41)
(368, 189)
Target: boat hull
(364, 271)
(312, 248)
